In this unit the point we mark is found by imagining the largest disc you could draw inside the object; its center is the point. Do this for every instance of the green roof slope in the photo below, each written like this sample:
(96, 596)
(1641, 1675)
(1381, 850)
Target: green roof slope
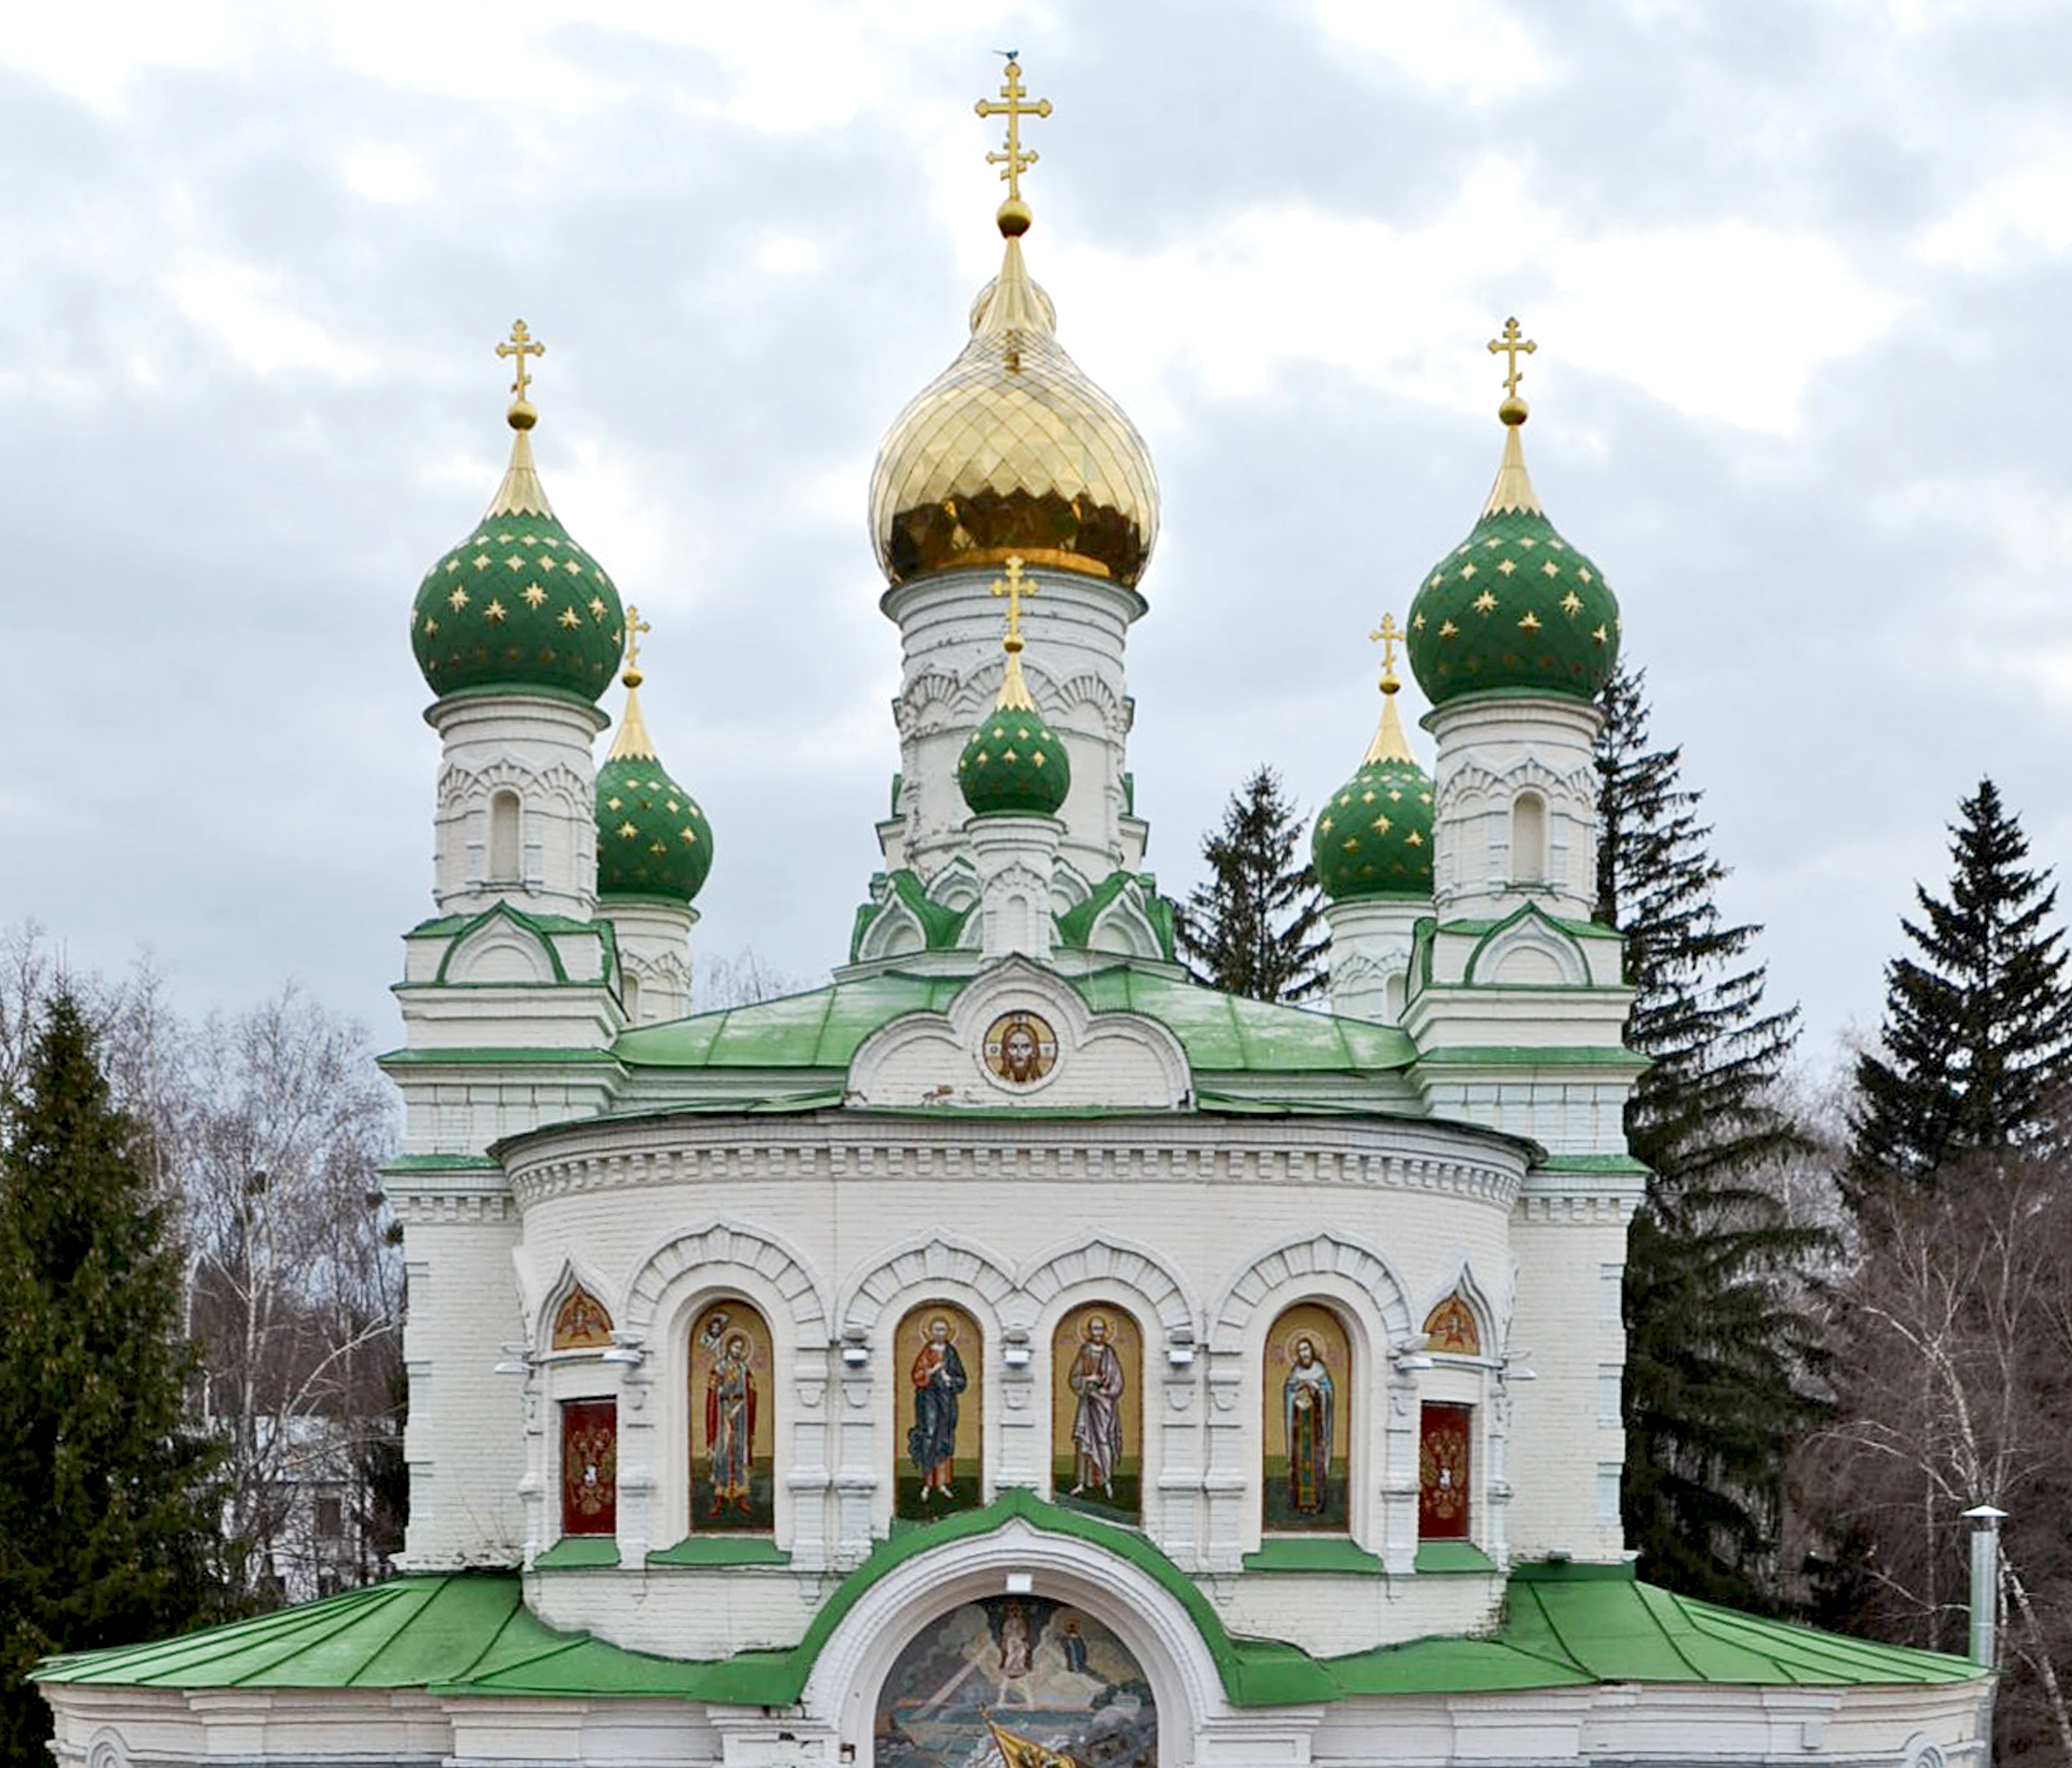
(823, 1029)
(469, 1633)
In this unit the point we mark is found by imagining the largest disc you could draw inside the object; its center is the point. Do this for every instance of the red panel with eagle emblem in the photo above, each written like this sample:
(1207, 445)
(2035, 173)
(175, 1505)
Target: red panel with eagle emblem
(1443, 1467)
(589, 1467)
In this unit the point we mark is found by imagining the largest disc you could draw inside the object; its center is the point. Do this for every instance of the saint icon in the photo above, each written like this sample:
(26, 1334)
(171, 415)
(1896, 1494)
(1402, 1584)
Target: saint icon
(938, 1377)
(1307, 1401)
(730, 1425)
(1097, 1380)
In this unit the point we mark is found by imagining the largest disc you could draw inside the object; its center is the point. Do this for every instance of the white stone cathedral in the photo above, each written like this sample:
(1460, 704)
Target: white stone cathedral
(1013, 1353)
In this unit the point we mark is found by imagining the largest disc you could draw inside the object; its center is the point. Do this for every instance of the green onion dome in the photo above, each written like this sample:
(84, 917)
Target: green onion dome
(1373, 837)
(1013, 764)
(1514, 606)
(653, 840)
(517, 603)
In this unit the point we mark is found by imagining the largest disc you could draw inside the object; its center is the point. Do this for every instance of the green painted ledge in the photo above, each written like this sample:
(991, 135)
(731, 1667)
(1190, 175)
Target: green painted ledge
(470, 1633)
(574, 1551)
(1314, 1553)
(720, 1550)
(1453, 1558)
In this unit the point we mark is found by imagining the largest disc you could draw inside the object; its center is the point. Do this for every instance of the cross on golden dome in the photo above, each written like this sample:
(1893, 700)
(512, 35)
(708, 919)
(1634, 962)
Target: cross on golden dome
(521, 345)
(1511, 344)
(1014, 215)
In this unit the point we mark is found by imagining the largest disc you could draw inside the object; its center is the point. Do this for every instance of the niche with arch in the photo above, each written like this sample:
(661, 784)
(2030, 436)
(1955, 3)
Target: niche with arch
(734, 1425)
(1307, 1393)
(1097, 1412)
(940, 1414)
(581, 1322)
(506, 844)
(1528, 839)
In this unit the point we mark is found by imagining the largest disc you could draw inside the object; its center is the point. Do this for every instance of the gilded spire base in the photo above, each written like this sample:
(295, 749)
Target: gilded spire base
(632, 743)
(1513, 493)
(1389, 743)
(521, 493)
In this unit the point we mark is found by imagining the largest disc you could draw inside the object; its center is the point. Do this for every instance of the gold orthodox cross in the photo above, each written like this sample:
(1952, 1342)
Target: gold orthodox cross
(521, 346)
(1386, 635)
(1513, 346)
(635, 627)
(1017, 159)
(1013, 586)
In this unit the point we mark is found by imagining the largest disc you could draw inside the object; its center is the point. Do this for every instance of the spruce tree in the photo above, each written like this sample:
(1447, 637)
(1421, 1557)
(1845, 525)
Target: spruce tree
(107, 1506)
(1719, 1339)
(1252, 929)
(1977, 1041)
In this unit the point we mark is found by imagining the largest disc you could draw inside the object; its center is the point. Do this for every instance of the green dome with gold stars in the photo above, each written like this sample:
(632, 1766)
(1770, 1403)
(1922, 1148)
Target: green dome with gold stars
(1514, 606)
(1014, 765)
(653, 840)
(1373, 837)
(517, 603)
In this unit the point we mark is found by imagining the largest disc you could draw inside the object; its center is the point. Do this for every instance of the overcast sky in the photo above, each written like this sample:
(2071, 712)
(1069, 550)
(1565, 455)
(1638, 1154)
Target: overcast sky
(1800, 273)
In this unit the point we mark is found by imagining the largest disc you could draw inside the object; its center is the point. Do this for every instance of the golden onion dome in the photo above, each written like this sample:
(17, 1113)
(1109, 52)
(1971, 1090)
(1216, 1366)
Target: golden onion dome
(1013, 451)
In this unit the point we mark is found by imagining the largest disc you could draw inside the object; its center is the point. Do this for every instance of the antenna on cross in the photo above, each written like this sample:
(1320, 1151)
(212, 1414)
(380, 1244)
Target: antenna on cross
(1013, 105)
(522, 415)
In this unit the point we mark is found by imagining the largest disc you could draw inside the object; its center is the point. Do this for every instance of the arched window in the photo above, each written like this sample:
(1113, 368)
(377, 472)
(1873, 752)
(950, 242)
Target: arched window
(1528, 839)
(504, 837)
(1097, 1412)
(939, 1364)
(1307, 1390)
(734, 1428)
(629, 989)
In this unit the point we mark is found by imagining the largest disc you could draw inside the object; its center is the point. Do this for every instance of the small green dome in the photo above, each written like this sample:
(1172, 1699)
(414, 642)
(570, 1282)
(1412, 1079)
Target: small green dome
(1514, 606)
(1015, 765)
(517, 603)
(653, 840)
(1373, 837)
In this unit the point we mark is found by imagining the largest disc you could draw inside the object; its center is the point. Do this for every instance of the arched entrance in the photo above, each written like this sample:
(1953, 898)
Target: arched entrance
(984, 1684)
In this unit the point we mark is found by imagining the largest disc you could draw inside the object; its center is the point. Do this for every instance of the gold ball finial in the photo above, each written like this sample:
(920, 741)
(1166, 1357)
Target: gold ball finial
(1014, 217)
(521, 416)
(1514, 410)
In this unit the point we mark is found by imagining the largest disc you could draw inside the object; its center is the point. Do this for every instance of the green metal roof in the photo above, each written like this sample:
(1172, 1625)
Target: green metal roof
(470, 1633)
(823, 1029)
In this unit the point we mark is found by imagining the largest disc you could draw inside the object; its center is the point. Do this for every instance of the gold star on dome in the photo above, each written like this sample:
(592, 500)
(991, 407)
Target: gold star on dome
(1447, 629)
(570, 619)
(1437, 578)
(1552, 542)
(1527, 540)
(1417, 623)
(458, 600)
(1507, 565)
(534, 595)
(1550, 568)
(1324, 828)
(481, 562)
(1485, 603)
(1571, 604)
(431, 626)
(1382, 825)
(1395, 795)
(658, 848)
(615, 802)
(1583, 571)
(1008, 755)
(1529, 623)
(1413, 839)
(514, 563)
(597, 607)
(1037, 758)
(1599, 635)
(450, 565)
(690, 836)
(627, 831)
(1351, 843)
(494, 613)
(548, 541)
(1467, 571)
